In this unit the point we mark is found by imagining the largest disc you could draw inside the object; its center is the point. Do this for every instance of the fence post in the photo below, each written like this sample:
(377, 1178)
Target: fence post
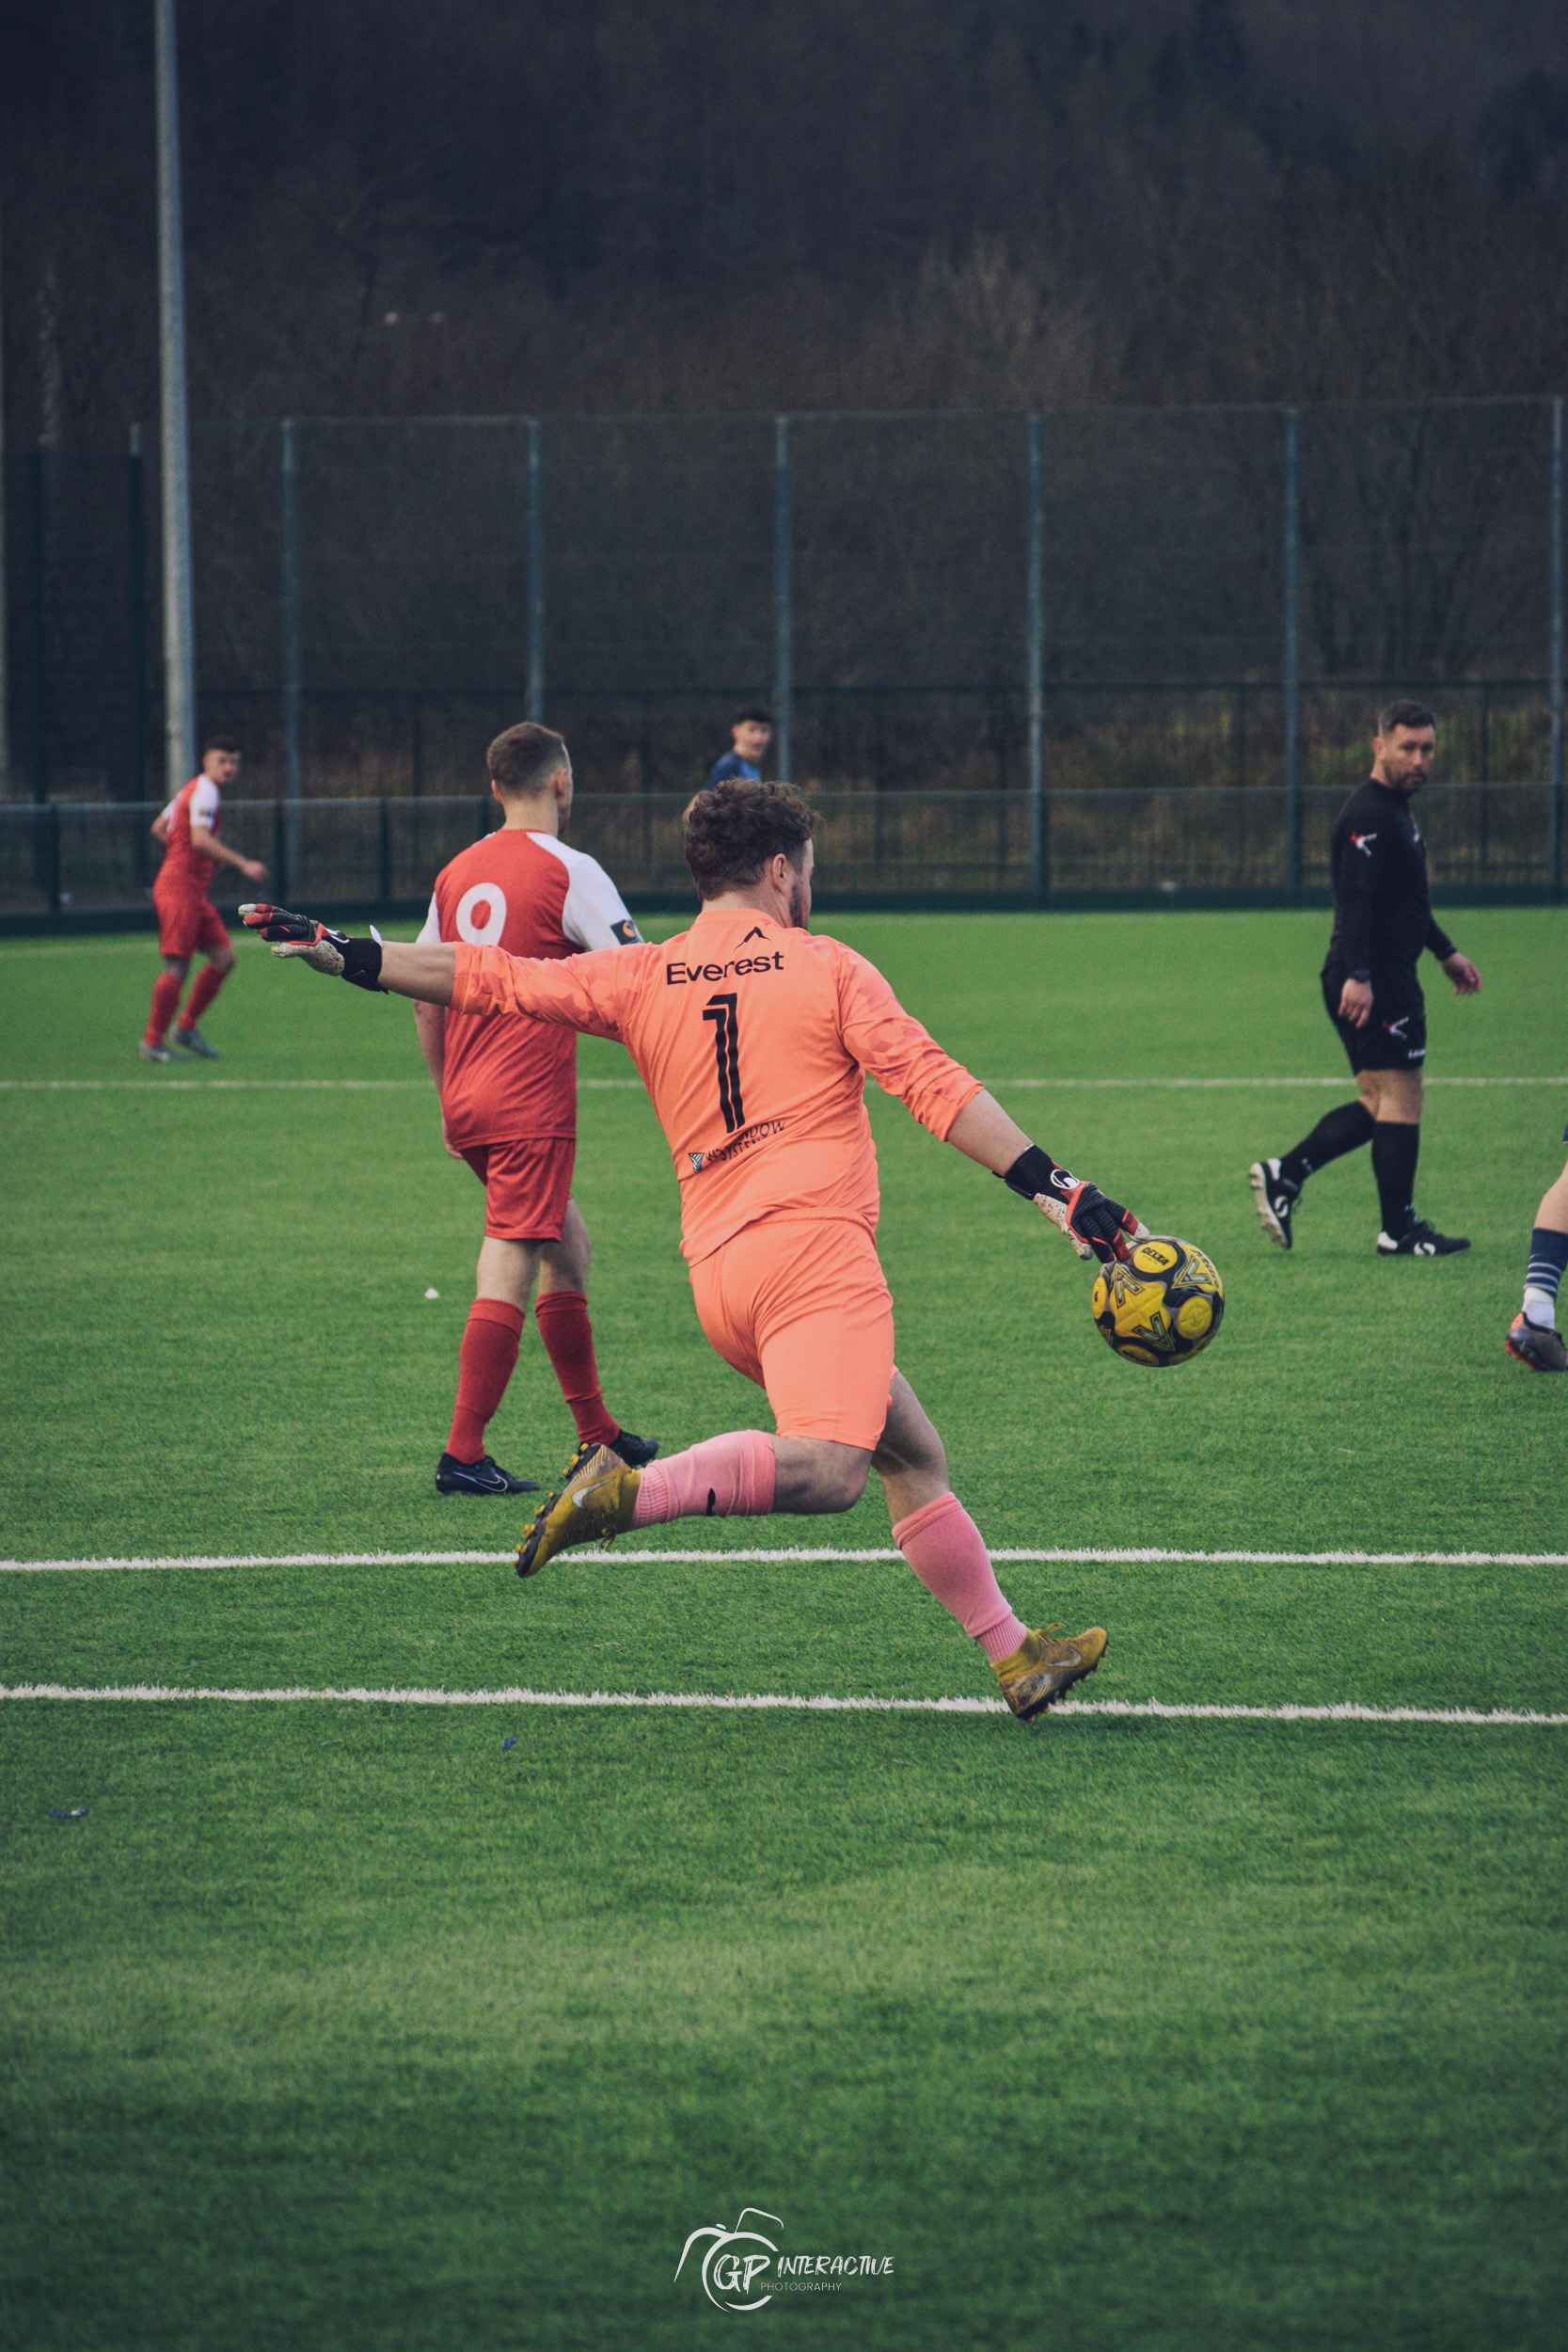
(51, 859)
(179, 615)
(1292, 651)
(1554, 656)
(784, 596)
(136, 550)
(535, 573)
(283, 880)
(6, 778)
(386, 853)
(35, 570)
(1039, 851)
(292, 662)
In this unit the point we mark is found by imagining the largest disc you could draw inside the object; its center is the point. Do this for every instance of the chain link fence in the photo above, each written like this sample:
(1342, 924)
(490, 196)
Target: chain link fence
(1033, 657)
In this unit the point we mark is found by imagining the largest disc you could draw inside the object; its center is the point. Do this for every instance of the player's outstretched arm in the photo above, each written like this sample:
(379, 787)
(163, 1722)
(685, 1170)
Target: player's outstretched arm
(906, 1060)
(425, 973)
(1096, 1227)
(385, 966)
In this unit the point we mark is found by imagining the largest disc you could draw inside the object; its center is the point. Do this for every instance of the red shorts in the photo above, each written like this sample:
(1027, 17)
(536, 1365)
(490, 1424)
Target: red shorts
(804, 1312)
(526, 1187)
(189, 926)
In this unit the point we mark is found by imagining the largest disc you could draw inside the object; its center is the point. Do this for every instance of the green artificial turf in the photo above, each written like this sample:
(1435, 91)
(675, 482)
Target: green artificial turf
(332, 2025)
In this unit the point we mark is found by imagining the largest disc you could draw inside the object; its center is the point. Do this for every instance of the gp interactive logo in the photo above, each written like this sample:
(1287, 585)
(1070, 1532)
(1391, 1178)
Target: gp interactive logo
(744, 2269)
(733, 2264)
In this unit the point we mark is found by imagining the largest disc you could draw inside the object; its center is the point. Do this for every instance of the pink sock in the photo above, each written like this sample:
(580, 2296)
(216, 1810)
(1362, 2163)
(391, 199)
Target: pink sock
(723, 1478)
(944, 1548)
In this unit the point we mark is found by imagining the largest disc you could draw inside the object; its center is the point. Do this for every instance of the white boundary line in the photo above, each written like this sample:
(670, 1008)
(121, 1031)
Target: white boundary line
(245, 1085)
(1177, 1085)
(362, 1086)
(798, 1555)
(1345, 1711)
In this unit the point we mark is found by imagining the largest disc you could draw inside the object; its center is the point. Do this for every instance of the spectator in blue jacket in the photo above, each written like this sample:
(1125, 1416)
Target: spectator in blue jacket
(750, 732)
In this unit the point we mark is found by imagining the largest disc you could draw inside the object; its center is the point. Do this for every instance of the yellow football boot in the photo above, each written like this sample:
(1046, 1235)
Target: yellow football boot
(1040, 1669)
(594, 1503)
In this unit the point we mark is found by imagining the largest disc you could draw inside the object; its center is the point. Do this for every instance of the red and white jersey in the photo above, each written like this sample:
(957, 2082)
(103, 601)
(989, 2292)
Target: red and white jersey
(504, 1080)
(185, 869)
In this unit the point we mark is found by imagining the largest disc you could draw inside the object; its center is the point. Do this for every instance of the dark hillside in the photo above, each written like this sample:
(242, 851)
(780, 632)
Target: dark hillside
(502, 205)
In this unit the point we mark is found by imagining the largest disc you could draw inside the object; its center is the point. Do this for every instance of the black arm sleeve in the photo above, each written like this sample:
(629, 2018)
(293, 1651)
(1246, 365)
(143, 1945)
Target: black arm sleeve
(1438, 940)
(1360, 870)
(1032, 1172)
(361, 964)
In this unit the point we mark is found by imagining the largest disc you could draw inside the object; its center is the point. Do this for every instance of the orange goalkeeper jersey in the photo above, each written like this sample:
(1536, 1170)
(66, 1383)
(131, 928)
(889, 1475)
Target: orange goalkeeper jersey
(753, 1041)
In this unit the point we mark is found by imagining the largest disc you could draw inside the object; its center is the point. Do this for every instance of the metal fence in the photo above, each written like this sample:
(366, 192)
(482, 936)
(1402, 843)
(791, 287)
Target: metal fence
(1014, 609)
(979, 849)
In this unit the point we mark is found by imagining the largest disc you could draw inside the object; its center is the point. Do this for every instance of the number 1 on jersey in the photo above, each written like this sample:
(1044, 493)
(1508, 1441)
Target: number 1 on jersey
(723, 1012)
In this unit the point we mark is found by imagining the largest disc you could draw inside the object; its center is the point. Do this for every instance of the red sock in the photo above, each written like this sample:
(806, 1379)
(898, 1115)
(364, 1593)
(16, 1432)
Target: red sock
(945, 1550)
(484, 1364)
(568, 1337)
(202, 994)
(722, 1478)
(166, 997)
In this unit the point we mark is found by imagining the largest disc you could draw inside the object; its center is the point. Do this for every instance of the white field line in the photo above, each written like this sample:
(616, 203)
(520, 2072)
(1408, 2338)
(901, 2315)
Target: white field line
(239, 1085)
(796, 1556)
(145, 945)
(1179, 1085)
(1344, 1711)
(153, 1085)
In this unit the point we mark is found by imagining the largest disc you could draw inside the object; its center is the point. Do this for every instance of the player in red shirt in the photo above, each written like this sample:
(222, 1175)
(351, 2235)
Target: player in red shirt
(754, 1040)
(509, 1107)
(188, 922)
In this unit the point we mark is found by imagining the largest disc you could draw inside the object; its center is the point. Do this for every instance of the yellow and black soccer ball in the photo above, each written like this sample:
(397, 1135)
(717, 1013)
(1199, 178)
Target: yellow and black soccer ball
(1163, 1305)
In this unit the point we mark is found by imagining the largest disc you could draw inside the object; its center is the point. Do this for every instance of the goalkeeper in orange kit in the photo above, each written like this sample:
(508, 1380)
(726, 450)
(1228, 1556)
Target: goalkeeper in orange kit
(753, 1039)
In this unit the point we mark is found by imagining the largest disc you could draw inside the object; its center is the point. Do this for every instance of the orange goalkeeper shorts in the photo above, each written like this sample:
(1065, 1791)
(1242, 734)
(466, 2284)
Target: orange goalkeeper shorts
(804, 1312)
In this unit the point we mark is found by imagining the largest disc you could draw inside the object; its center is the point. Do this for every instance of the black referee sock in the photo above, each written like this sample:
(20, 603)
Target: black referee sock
(1342, 1130)
(1395, 1150)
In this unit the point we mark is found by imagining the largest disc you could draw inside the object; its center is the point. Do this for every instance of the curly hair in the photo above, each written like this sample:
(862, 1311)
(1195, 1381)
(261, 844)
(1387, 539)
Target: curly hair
(732, 832)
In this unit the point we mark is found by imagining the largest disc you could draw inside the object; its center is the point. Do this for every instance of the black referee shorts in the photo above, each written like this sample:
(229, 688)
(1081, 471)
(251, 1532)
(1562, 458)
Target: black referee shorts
(1395, 1036)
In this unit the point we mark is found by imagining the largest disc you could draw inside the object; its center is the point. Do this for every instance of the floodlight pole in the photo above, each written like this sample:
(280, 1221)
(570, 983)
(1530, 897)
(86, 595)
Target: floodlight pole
(4, 609)
(179, 627)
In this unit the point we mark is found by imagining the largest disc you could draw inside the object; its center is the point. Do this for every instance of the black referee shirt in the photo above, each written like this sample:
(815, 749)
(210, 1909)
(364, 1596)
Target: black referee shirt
(1382, 899)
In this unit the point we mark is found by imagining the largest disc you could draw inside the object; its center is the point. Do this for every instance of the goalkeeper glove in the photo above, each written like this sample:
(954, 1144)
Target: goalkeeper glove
(357, 961)
(1097, 1228)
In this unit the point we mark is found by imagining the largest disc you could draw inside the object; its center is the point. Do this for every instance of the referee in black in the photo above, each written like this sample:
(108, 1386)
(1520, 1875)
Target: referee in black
(1382, 920)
